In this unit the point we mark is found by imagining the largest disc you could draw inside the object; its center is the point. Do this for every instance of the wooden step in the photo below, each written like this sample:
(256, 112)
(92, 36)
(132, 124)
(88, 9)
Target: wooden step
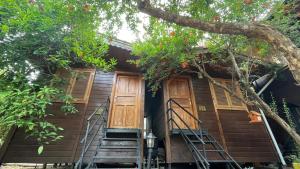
(117, 147)
(115, 159)
(213, 150)
(126, 133)
(220, 161)
(189, 133)
(120, 139)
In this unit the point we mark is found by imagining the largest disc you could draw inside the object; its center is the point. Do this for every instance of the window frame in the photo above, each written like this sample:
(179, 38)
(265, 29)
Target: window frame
(72, 82)
(229, 106)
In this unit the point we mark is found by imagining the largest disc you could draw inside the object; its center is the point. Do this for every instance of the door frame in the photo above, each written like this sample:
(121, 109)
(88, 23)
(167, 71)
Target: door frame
(165, 99)
(192, 95)
(141, 97)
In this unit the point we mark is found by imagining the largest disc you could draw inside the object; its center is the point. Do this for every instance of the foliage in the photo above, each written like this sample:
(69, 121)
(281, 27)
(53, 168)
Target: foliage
(290, 158)
(3, 132)
(293, 154)
(287, 113)
(26, 108)
(273, 104)
(161, 56)
(286, 20)
(165, 53)
(36, 38)
(64, 30)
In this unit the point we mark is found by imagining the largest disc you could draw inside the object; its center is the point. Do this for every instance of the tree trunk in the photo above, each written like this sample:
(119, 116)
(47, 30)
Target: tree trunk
(251, 30)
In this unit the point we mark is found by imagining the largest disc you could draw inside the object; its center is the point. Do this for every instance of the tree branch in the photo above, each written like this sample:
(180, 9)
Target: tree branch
(214, 82)
(254, 30)
(264, 106)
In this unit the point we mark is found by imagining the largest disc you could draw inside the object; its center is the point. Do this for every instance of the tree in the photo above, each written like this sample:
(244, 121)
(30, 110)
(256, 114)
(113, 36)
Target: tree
(36, 38)
(287, 20)
(176, 27)
(250, 30)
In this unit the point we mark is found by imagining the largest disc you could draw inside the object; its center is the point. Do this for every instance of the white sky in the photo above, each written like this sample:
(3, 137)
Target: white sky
(127, 35)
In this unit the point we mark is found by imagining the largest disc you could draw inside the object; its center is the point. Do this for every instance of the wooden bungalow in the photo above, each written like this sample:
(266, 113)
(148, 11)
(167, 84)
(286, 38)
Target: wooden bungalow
(197, 124)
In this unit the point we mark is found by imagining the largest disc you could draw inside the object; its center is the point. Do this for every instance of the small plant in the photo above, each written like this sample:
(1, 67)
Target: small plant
(287, 113)
(273, 104)
(290, 158)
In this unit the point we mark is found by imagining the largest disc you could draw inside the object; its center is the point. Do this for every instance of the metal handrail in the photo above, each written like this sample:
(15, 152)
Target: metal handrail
(190, 114)
(195, 118)
(90, 127)
(194, 148)
(196, 135)
(199, 155)
(89, 119)
(170, 109)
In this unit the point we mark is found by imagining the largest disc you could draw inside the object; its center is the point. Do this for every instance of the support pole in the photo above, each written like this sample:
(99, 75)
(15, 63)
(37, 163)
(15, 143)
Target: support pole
(149, 158)
(267, 124)
(273, 138)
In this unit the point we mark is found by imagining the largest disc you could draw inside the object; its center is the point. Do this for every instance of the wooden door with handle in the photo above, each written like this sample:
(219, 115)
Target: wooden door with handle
(126, 106)
(179, 89)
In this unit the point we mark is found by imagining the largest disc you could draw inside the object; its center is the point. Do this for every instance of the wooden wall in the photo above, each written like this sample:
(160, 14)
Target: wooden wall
(245, 142)
(24, 150)
(101, 90)
(68, 149)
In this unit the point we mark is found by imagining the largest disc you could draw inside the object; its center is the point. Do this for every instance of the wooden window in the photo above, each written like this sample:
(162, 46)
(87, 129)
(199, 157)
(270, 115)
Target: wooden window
(222, 99)
(77, 83)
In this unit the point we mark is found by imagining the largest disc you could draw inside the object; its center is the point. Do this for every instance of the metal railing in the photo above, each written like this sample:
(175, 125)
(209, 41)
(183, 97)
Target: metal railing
(98, 116)
(197, 156)
(198, 134)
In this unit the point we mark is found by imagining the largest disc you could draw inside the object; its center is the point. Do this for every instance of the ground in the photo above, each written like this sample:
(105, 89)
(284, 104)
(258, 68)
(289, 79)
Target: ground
(33, 166)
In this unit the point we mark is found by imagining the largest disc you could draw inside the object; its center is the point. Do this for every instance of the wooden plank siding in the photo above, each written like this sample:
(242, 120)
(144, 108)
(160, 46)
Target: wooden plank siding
(21, 149)
(101, 90)
(245, 142)
(24, 150)
(180, 153)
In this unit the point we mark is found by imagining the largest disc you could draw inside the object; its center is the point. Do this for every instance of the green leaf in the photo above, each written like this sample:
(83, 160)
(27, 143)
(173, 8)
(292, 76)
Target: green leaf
(40, 149)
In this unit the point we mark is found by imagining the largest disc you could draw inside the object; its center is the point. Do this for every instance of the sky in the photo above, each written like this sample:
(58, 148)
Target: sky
(127, 35)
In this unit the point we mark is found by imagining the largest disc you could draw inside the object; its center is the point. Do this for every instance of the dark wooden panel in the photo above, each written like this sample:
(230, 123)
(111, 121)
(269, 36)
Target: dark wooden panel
(68, 149)
(246, 142)
(23, 149)
(101, 90)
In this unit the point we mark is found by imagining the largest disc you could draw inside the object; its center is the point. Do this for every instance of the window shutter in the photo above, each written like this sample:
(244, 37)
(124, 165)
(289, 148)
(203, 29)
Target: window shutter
(234, 86)
(77, 83)
(66, 80)
(221, 98)
(82, 85)
(224, 100)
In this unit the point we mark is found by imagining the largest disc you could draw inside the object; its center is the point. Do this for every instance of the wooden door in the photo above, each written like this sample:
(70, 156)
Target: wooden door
(179, 89)
(125, 109)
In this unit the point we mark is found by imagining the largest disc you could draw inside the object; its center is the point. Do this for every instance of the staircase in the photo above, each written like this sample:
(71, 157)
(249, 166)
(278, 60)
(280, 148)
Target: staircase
(116, 147)
(203, 147)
